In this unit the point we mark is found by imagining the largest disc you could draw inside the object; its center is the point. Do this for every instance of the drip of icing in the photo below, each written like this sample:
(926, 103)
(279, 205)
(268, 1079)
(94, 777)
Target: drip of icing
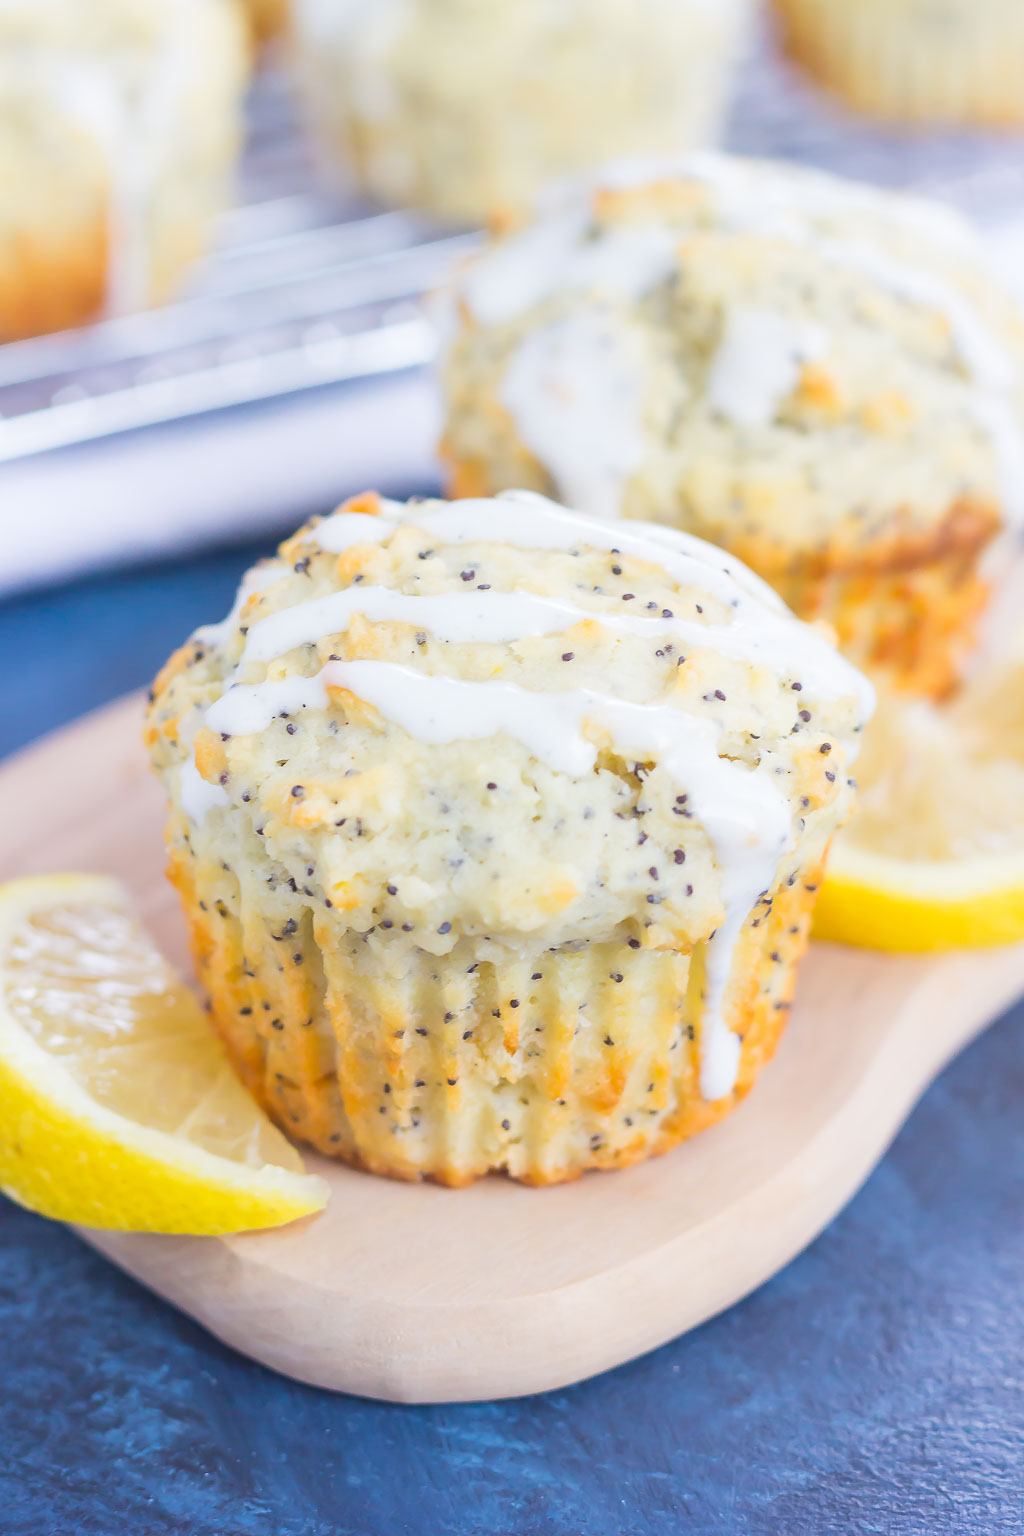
(985, 358)
(787, 647)
(762, 628)
(148, 128)
(132, 123)
(759, 192)
(524, 270)
(197, 796)
(575, 390)
(558, 252)
(528, 521)
(482, 617)
(993, 369)
(745, 815)
(488, 617)
(555, 256)
(257, 579)
(246, 710)
(783, 206)
(92, 99)
(757, 365)
(344, 530)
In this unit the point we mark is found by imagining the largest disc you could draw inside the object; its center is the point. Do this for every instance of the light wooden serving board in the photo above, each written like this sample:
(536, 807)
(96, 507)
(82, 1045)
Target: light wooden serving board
(420, 1294)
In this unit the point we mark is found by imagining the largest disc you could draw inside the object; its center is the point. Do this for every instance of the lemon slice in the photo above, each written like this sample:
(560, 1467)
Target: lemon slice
(934, 857)
(118, 1107)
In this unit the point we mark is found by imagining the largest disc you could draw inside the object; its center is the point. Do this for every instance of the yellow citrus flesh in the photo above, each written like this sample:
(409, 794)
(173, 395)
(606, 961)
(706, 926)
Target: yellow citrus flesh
(934, 857)
(118, 1107)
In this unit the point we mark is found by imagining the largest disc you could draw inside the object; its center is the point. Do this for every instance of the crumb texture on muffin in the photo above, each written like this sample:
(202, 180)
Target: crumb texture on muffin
(466, 107)
(821, 377)
(497, 828)
(120, 125)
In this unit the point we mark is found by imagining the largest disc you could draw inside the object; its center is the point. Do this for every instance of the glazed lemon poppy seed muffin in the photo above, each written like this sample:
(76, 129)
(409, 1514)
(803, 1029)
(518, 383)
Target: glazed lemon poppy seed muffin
(497, 829)
(463, 107)
(917, 61)
(119, 129)
(821, 377)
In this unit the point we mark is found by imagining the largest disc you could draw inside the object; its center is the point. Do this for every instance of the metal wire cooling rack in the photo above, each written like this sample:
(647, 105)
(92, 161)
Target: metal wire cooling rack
(303, 290)
(310, 291)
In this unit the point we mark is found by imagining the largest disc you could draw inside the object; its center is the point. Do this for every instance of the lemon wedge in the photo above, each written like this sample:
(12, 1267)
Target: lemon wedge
(934, 857)
(118, 1107)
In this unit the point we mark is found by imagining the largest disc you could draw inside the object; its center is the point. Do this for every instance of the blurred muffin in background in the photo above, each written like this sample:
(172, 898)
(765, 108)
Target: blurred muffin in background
(268, 18)
(820, 377)
(914, 61)
(464, 107)
(119, 130)
(484, 865)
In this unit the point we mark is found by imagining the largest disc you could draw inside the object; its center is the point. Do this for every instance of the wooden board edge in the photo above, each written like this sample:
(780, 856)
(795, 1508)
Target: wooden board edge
(524, 1345)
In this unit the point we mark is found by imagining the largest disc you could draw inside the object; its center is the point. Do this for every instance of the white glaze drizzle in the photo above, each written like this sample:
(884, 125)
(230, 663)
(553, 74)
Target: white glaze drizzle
(994, 406)
(758, 363)
(197, 796)
(257, 579)
(528, 521)
(132, 122)
(245, 710)
(762, 629)
(773, 204)
(984, 357)
(576, 389)
(758, 193)
(522, 271)
(88, 96)
(554, 256)
(151, 125)
(345, 530)
(462, 617)
(789, 649)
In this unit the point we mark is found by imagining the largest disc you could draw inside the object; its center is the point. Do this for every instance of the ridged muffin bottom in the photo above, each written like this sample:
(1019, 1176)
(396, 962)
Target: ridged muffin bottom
(970, 73)
(53, 281)
(446, 1068)
(50, 281)
(908, 612)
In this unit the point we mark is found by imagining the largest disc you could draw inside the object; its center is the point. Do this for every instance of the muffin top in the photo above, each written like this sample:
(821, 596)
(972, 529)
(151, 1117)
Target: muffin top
(768, 355)
(509, 724)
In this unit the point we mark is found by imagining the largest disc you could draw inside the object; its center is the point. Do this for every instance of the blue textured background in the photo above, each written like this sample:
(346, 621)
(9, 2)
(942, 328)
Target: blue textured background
(877, 1385)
